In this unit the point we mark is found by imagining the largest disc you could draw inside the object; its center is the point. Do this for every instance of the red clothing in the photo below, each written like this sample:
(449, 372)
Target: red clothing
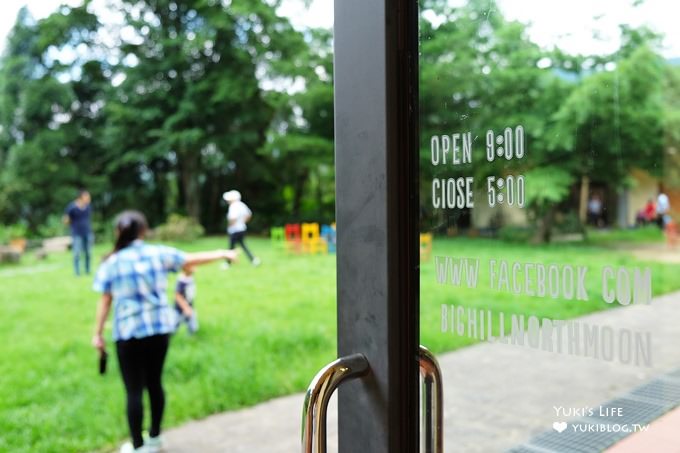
(650, 211)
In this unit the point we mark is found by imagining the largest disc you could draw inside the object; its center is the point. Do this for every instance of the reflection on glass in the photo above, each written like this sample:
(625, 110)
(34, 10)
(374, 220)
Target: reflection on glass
(550, 189)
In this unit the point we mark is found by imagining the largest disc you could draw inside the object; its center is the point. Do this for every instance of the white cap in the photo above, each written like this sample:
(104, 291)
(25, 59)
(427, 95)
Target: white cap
(232, 195)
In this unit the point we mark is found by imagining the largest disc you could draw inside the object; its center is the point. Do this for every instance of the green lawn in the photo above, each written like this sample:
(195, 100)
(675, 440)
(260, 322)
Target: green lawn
(629, 236)
(264, 332)
(595, 257)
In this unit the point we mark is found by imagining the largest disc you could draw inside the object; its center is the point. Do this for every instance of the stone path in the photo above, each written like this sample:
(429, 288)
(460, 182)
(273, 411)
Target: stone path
(496, 396)
(660, 252)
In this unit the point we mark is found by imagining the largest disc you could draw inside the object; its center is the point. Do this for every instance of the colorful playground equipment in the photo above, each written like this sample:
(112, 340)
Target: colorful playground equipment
(314, 238)
(328, 235)
(425, 246)
(278, 237)
(304, 238)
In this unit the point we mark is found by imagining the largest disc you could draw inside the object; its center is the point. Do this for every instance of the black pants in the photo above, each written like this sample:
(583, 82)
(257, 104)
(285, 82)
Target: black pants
(237, 239)
(141, 365)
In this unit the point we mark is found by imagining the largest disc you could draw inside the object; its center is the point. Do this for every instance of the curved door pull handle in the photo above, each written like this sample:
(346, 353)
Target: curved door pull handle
(319, 394)
(432, 433)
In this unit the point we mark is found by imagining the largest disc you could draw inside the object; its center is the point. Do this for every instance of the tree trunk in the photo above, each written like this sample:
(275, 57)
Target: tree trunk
(189, 173)
(545, 226)
(298, 188)
(583, 199)
(319, 196)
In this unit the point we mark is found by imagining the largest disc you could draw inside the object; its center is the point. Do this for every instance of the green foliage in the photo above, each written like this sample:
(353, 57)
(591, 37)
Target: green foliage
(301, 138)
(197, 98)
(547, 186)
(165, 120)
(515, 234)
(480, 72)
(49, 130)
(584, 116)
(15, 231)
(613, 121)
(52, 227)
(569, 223)
(671, 118)
(179, 228)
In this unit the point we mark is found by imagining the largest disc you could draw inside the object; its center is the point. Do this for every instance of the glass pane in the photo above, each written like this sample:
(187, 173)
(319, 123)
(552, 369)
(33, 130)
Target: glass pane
(550, 194)
(214, 119)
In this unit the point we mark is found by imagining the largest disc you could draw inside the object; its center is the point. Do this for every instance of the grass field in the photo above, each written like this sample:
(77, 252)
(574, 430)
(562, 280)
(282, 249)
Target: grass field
(264, 332)
(595, 257)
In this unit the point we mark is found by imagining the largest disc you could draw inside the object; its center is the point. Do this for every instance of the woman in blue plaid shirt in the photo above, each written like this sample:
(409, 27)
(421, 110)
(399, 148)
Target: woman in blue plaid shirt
(133, 279)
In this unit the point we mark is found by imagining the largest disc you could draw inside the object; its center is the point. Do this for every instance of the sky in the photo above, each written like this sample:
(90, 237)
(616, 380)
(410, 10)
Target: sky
(319, 14)
(571, 23)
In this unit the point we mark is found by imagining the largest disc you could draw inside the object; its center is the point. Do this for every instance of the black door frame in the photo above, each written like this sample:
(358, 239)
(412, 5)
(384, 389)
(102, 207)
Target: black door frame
(377, 205)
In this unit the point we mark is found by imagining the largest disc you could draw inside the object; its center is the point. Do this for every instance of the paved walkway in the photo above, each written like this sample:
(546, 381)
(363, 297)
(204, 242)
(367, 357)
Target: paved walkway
(662, 253)
(496, 396)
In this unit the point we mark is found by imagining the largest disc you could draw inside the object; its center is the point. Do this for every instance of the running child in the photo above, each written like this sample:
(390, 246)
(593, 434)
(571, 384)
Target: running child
(185, 293)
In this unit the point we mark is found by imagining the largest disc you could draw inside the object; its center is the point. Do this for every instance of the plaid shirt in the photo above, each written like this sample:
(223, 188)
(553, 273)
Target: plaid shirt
(137, 278)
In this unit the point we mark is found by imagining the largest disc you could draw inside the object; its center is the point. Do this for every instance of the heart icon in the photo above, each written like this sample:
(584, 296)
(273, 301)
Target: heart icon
(559, 426)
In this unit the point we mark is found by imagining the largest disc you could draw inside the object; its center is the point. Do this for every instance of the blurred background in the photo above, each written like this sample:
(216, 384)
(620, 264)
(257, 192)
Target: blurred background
(162, 105)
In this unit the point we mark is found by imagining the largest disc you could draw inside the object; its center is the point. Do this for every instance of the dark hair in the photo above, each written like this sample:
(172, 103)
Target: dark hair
(82, 191)
(130, 226)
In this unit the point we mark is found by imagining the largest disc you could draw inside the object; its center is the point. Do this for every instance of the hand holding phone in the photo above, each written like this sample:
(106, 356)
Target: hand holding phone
(103, 357)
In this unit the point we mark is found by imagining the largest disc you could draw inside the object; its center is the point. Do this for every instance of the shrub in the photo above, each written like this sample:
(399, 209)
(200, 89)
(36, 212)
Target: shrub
(569, 223)
(515, 234)
(10, 232)
(178, 228)
(53, 226)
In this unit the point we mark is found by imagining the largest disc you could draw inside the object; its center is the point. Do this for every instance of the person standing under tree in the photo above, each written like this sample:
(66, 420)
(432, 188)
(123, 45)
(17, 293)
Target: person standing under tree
(663, 208)
(595, 211)
(237, 217)
(78, 215)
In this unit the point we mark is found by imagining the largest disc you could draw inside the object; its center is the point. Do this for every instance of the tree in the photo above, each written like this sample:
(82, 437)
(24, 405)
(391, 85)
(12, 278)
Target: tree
(191, 110)
(37, 102)
(480, 72)
(614, 120)
(301, 139)
(671, 117)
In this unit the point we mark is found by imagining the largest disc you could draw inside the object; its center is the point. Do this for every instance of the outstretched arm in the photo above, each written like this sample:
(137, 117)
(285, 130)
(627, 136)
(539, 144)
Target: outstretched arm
(102, 313)
(198, 258)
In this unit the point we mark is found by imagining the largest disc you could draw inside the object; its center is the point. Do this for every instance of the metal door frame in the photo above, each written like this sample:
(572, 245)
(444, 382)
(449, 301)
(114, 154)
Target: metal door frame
(377, 202)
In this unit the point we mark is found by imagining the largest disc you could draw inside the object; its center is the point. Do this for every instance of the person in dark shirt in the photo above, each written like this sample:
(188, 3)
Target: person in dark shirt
(78, 215)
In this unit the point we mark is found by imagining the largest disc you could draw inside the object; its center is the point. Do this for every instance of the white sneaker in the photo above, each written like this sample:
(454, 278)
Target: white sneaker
(256, 261)
(153, 444)
(128, 448)
(225, 266)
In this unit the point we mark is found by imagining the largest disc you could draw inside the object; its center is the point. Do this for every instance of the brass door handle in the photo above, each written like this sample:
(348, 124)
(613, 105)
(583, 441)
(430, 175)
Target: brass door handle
(319, 394)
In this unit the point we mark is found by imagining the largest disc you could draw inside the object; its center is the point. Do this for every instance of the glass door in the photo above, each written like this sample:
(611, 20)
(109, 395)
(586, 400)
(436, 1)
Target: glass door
(549, 201)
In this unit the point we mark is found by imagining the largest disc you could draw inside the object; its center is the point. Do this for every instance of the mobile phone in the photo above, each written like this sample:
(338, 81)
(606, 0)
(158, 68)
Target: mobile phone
(103, 356)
